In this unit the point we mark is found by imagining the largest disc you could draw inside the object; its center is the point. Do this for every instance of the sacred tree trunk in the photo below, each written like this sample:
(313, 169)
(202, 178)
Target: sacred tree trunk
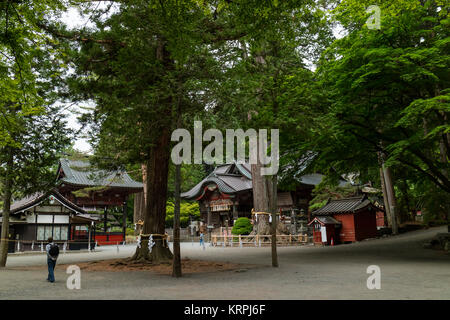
(260, 202)
(383, 188)
(155, 209)
(139, 202)
(139, 211)
(391, 198)
(7, 192)
(390, 194)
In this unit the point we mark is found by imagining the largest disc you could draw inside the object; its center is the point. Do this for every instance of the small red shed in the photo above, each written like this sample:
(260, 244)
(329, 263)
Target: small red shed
(357, 216)
(325, 230)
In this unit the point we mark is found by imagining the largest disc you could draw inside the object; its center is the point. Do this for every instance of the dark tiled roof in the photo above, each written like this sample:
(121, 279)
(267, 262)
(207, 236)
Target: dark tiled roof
(35, 199)
(347, 205)
(79, 173)
(227, 183)
(232, 183)
(325, 220)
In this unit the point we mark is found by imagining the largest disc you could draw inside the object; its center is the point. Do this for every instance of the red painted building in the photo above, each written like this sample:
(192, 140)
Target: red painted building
(325, 230)
(357, 218)
(96, 190)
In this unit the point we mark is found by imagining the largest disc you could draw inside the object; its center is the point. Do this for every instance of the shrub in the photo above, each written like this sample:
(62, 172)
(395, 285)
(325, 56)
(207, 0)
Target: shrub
(186, 209)
(242, 226)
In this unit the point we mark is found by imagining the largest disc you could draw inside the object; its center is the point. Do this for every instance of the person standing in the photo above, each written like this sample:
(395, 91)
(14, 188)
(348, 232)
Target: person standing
(202, 239)
(52, 255)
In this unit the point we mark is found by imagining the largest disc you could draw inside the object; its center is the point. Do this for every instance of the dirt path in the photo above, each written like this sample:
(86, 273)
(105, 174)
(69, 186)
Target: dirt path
(407, 272)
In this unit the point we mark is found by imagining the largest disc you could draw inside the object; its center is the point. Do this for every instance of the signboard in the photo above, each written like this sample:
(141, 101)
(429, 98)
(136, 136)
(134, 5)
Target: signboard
(323, 231)
(221, 205)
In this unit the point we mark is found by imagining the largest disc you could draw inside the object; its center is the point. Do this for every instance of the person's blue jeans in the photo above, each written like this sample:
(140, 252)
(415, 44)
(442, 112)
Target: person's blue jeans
(51, 269)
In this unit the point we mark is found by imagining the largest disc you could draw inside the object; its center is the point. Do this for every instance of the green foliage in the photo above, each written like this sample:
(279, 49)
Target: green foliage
(33, 131)
(388, 90)
(130, 232)
(242, 226)
(187, 210)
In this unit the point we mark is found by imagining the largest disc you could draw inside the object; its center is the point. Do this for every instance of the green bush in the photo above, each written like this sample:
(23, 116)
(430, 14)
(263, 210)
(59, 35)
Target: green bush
(186, 209)
(242, 226)
(130, 232)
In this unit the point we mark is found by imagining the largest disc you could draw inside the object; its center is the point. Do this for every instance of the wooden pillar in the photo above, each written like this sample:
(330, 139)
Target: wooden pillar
(293, 221)
(208, 224)
(93, 236)
(89, 235)
(105, 219)
(124, 222)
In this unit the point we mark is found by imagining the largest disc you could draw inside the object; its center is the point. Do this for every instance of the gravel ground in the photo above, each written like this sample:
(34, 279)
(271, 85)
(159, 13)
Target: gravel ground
(407, 272)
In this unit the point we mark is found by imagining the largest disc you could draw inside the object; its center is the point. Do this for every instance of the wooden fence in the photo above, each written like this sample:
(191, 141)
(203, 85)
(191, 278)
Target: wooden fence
(258, 240)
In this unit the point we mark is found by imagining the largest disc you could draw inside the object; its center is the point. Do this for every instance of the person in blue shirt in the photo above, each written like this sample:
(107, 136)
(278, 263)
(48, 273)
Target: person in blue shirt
(52, 256)
(201, 239)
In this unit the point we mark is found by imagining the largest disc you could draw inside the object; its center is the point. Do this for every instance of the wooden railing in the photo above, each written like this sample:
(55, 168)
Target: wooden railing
(258, 240)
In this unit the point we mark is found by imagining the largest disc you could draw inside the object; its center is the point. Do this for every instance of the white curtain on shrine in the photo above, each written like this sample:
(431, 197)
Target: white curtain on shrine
(323, 231)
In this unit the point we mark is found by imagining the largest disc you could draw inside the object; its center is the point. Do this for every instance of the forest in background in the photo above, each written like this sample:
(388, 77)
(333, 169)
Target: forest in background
(372, 102)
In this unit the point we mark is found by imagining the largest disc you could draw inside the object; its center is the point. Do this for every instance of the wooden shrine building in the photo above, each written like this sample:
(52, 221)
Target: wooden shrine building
(227, 194)
(42, 215)
(345, 220)
(97, 190)
(224, 195)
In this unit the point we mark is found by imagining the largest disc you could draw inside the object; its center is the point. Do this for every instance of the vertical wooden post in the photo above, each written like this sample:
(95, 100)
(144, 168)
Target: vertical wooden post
(124, 221)
(89, 236)
(105, 219)
(208, 210)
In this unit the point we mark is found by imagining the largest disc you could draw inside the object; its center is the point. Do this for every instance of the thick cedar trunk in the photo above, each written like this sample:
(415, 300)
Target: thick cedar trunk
(156, 185)
(176, 272)
(139, 201)
(7, 192)
(260, 201)
(390, 193)
(385, 197)
(155, 209)
(391, 198)
(139, 210)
